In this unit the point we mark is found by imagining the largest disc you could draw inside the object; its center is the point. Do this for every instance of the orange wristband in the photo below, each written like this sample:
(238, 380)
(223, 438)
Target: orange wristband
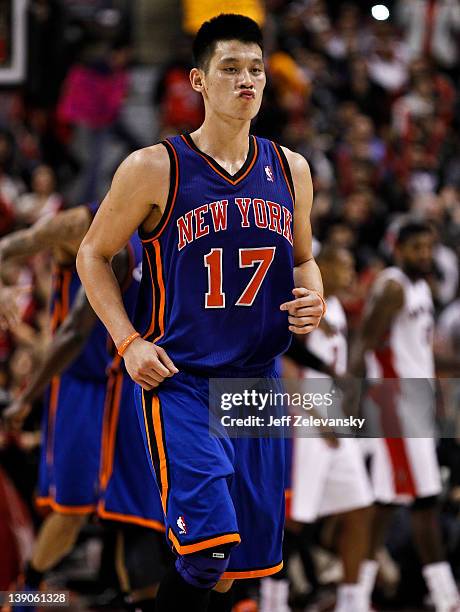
(126, 342)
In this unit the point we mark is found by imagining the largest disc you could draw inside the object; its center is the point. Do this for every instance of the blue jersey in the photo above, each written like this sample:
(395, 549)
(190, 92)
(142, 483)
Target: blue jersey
(220, 262)
(94, 358)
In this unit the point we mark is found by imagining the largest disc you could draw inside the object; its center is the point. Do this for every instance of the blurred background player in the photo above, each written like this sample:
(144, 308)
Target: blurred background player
(120, 492)
(72, 422)
(397, 339)
(328, 473)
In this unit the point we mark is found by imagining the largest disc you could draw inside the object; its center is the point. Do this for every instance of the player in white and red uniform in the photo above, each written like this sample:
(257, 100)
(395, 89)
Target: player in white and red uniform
(405, 464)
(329, 480)
(328, 474)
(395, 343)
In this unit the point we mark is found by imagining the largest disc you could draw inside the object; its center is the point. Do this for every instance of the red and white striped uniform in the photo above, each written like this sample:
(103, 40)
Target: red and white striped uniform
(404, 464)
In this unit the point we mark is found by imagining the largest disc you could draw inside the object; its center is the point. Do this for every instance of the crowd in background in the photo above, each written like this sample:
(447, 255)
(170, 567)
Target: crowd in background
(374, 106)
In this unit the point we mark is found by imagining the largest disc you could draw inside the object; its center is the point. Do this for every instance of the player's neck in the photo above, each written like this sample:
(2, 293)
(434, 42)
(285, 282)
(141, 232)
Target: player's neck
(226, 141)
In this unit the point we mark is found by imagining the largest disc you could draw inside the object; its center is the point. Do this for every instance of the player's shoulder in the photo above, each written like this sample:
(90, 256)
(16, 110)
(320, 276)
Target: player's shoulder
(393, 290)
(152, 158)
(297, 162)
(144, 166)
(142, 172)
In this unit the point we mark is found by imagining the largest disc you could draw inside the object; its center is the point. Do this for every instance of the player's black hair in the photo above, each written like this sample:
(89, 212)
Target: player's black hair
(412, 228)
(227, 26)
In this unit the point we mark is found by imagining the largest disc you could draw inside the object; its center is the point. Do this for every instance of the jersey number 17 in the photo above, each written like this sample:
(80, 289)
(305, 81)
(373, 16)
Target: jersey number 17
(248, 258)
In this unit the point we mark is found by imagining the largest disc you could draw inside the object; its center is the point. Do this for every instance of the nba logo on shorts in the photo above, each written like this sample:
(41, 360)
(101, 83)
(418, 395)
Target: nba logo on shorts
(182, 526)
(269, 173)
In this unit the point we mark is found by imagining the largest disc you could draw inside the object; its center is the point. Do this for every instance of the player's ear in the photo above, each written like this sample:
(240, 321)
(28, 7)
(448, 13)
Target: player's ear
(196, 79)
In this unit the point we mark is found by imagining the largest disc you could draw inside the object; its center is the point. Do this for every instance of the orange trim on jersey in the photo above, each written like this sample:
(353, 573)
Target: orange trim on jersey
(163, 223)
(65, 293)
(105, 429)
(153, 319)
(284, 173)
(191, 548)
(217, 171)
(52, 503)
(144, 412)
(269, 571)
(113, 425)
(161, 308)
(158, 305)
(54, 395)
(56, 317)
(112, 409)
(157, 426)
(129, 518)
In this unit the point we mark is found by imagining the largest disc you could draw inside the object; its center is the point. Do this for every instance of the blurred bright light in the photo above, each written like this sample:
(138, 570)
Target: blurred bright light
(380, 12)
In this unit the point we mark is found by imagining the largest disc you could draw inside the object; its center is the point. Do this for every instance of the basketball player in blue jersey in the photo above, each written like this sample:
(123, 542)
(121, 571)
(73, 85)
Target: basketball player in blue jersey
(74, 467)
(228, 275)
(69, 460)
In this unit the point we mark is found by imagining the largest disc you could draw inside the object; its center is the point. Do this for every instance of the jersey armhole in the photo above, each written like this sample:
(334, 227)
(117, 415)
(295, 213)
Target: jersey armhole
(286, 170)
(124, 286)
(172, 194)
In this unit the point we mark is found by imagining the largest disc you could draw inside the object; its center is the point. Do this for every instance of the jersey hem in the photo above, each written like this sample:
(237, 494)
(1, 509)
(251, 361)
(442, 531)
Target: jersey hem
(50, 502)
(256, 573)
(184, 549)
(133, 519)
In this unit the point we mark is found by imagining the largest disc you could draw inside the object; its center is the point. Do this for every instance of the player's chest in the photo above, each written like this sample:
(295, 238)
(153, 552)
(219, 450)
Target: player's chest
(418, 312)
(244, 217)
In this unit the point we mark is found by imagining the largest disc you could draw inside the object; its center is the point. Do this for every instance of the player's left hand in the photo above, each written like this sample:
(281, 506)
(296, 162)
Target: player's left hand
(305, 311)
(16, 413)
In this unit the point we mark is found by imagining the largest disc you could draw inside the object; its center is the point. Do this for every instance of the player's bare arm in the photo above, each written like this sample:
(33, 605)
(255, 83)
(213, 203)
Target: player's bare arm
(306, 310)
(65, 347)
(376, 324)
(137, 197)
(61, 233)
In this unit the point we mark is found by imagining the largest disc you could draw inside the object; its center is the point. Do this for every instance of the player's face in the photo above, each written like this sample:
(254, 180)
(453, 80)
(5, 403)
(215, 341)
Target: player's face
(235, 79)
(417, 254)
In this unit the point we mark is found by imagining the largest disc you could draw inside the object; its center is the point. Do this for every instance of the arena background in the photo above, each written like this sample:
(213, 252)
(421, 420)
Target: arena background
(368, 94)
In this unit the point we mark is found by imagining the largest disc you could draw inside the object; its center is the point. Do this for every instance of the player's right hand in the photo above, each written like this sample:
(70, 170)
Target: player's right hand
(148, 364)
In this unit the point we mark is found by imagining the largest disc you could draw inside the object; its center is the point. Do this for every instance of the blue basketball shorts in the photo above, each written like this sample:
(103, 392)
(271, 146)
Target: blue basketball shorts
(128, 491)
(214, 491)
(71, 445)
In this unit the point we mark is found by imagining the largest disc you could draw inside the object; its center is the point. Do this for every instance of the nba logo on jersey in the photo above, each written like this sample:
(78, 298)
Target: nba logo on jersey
(182, 526)
(269, 173)
(137, 272)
